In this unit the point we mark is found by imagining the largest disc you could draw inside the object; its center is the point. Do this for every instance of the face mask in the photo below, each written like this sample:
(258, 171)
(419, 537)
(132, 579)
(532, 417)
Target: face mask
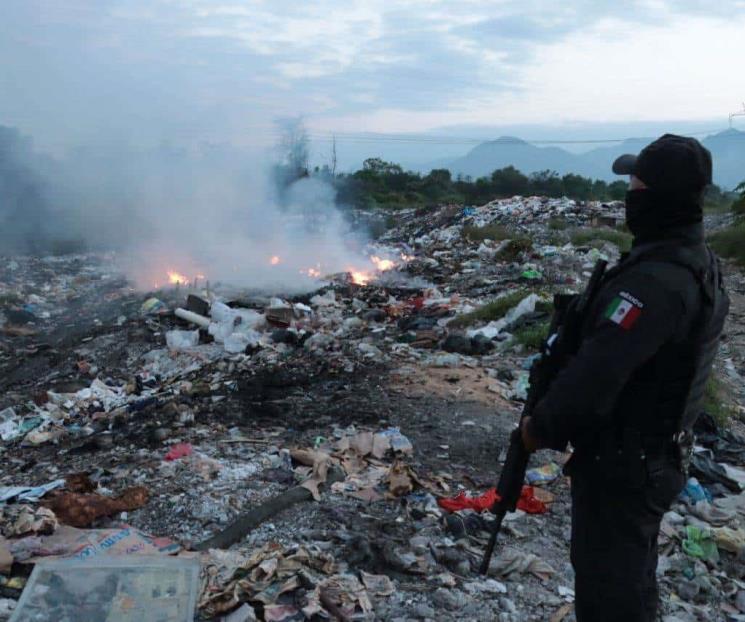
(650, 215)
(640, 215)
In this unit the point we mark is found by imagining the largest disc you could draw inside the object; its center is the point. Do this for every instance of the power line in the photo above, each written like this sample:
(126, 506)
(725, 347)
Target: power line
(456, 140)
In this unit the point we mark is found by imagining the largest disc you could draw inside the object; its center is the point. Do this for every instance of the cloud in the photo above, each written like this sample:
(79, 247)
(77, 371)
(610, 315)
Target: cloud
(223, 70)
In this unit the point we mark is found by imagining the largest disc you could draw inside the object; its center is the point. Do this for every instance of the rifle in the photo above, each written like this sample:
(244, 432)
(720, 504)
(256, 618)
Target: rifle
(561, 344)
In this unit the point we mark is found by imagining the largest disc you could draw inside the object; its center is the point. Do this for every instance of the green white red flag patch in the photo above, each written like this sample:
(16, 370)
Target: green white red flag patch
(624, 310)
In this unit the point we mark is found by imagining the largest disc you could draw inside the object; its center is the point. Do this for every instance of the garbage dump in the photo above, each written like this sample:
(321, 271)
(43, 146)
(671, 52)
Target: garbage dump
(232, 455)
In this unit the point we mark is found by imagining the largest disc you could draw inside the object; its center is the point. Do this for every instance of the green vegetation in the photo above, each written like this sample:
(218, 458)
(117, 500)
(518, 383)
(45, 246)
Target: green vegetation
(558, 224)
(490, 311)
(9, 300)
(595, 237)
(730, 242)
(738, 205)
(532, 336)
(718, 201)
(714, 403)
(386, 184)
(487, 232)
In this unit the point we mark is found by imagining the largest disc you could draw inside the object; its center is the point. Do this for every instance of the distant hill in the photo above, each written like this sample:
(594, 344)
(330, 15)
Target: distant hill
(727, 148)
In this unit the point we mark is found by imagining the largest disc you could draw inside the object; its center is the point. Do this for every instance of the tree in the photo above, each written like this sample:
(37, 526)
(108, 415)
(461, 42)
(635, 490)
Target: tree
(509, 182)
(738, 207)
(617, 190)
(576, 186)
(546, 183)
(437, 183)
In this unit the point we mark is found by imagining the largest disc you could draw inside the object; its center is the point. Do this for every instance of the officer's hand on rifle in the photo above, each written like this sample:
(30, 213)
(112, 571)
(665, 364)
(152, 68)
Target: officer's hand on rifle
(530, 442)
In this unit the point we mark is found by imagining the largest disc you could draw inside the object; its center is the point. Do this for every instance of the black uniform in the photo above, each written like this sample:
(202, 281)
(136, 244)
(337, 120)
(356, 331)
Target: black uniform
(634, 386)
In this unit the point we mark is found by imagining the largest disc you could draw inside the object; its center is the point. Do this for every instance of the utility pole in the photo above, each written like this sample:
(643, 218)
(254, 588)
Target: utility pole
(333, 155)
(736, 114)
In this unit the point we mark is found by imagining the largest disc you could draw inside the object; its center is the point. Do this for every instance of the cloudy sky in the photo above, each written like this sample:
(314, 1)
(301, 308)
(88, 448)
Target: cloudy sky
(193, 70)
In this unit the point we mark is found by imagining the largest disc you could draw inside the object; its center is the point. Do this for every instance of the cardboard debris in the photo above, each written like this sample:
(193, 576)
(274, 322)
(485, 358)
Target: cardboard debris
(86, 543)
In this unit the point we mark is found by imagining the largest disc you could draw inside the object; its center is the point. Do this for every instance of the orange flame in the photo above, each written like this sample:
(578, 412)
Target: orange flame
(274, 260)
(359, 277)
(174, 278)
(382, 264)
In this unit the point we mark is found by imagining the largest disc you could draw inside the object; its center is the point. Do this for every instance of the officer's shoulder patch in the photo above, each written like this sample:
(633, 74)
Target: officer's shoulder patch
(624, 310)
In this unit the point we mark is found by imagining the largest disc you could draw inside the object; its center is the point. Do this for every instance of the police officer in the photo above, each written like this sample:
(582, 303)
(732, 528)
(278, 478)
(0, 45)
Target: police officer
(628, 399)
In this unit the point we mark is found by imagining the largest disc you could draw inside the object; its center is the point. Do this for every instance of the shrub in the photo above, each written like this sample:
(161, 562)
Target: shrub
(532, 336)
(714, 404)
(595, 237)
(490, 311)
(557, 224)
(514, 248)
(487, 232)
(730, 242)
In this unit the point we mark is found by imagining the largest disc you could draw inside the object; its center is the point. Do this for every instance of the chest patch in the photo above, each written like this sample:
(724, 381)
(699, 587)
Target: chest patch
(624, 310)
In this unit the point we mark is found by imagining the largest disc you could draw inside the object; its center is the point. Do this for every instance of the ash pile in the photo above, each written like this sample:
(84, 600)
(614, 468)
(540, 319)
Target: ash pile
(325, 455)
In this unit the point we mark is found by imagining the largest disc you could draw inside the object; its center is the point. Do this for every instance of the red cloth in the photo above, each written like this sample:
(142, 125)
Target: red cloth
(179, 450)
(527, 502)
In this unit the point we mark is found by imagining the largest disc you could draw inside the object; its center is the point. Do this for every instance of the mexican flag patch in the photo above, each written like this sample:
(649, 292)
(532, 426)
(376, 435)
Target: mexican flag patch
(624, 310)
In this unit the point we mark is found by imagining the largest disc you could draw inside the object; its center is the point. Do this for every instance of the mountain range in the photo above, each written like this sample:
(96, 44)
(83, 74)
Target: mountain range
(727, 149)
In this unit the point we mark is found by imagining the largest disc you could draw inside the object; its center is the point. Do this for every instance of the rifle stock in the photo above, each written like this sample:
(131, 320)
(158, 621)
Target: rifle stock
(562, 343)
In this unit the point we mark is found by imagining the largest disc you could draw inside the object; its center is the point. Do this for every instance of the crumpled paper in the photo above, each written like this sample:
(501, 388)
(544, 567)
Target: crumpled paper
(22, 520)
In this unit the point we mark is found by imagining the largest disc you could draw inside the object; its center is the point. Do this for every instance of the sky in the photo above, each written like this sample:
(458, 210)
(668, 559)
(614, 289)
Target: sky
(191, 71)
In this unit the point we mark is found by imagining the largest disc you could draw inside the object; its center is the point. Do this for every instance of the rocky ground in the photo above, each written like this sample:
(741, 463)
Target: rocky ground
(373, 382)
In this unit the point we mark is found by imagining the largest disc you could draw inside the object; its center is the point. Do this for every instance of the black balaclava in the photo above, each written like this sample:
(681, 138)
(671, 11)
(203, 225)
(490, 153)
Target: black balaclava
(676, 171)
(653, 215)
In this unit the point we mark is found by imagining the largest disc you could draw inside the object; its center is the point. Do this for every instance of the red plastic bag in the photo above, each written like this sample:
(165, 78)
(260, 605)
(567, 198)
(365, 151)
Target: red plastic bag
(179, 450)
(527, 502)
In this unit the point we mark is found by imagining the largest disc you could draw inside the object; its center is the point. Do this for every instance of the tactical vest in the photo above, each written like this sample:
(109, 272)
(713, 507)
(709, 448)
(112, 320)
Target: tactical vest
(663, 397)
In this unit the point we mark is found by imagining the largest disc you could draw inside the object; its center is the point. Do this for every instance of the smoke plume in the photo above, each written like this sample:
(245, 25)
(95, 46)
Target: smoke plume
(215, 212)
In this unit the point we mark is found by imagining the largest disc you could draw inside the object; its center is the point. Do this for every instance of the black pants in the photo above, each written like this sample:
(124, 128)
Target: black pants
(615, 523)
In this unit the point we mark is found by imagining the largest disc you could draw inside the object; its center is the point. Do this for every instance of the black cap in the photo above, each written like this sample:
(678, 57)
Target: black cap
(670, 164)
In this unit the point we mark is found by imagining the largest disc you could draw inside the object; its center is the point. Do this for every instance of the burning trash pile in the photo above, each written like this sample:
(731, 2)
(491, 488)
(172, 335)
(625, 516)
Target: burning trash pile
(328, 454)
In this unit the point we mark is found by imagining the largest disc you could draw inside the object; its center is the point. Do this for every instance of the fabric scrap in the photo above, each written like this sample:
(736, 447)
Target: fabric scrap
(80, 510)
(516, 562)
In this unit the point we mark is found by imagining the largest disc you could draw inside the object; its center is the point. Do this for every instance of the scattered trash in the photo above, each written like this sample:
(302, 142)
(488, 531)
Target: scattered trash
(516, 562)
(180, 339)
(700, 543)
(694, 492)
(153, 306)
(26, 493)
(180, 450)
(543, 475)
(228, 417)
(527, 501)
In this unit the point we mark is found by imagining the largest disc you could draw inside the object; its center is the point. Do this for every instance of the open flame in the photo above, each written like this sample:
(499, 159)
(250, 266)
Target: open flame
(363, 277)
(359, 277)
(274, 260)
(383, 264)
(175, 278)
